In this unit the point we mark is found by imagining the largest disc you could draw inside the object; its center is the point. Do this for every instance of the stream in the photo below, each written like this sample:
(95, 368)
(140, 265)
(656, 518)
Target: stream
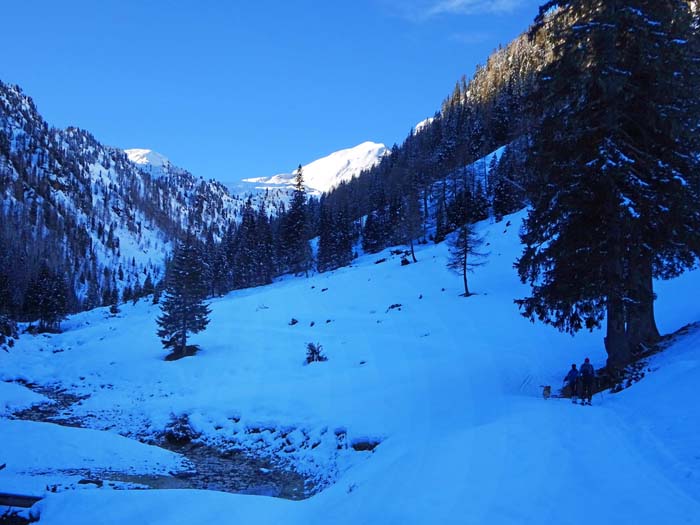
(233, 471)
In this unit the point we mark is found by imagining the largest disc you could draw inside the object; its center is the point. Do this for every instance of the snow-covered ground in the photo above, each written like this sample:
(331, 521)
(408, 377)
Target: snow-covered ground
(41, 454)
(448, 385)
(15, 397)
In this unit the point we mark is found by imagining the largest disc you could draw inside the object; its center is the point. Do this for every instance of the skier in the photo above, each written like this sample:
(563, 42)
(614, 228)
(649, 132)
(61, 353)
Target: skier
(571, 381)
(587, 377)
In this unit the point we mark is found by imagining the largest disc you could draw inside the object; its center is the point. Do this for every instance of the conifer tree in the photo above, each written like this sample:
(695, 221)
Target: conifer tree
(266, 266)
(245, 264)
(410, 221)
(148, 286)
(5, 294)
(296, 249)
(508, 192)
(505, 198)
(326, 249)
(345, 235)
(478, 208)
(47, 298)
(229, 248)
(615, 158)
(375, 235)
(184, 311)
(335, 245)
(441, 227)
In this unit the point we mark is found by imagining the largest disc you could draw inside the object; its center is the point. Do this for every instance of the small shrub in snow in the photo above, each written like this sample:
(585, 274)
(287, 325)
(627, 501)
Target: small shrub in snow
(314, 353)
(179, 431)
(8, 333)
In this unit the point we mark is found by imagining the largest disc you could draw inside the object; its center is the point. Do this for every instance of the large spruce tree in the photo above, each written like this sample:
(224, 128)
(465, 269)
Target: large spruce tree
(335, 238)
(184, 311)
(245, 262)
(614, 199)
(326, 254)
(295, 247)
(266, 264)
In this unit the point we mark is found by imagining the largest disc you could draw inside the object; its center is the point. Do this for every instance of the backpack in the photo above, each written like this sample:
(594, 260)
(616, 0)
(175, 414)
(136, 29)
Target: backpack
(587, 370)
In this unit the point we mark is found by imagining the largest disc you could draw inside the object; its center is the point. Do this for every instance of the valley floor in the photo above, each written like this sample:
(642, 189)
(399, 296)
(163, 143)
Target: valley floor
(448, 387)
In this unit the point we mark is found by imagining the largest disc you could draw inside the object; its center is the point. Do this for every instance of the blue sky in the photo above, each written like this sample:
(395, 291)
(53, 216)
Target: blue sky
(233, 89)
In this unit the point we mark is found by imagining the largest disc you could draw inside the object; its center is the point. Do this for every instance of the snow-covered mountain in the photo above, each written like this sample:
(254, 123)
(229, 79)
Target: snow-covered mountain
(328, 172)
(149, 160)
(103, 218)
(232, 196)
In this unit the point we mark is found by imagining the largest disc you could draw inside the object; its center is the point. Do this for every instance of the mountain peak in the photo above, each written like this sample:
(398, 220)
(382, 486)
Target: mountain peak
(146, 157)
(328, 172)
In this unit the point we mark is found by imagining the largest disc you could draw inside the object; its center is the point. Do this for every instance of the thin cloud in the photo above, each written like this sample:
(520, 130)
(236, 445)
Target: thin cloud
(468, 7)
(419, 10)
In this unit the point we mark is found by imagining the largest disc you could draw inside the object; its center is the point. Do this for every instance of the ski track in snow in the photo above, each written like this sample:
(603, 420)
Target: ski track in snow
(450, 386)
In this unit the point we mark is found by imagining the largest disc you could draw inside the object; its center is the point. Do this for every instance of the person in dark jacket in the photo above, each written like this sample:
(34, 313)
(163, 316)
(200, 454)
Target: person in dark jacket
(571, 381)
(587, 376)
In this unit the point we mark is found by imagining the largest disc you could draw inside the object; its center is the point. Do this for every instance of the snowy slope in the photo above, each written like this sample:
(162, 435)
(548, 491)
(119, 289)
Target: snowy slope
(326, 173)
(448, 385)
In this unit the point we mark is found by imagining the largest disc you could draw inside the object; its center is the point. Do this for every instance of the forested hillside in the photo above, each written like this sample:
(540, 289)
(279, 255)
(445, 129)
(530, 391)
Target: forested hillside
(596, 110)
(84, 217)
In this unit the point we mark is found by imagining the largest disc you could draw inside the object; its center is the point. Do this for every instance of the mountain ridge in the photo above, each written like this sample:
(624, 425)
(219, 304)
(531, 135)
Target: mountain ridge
(326, 173)
(88, 211)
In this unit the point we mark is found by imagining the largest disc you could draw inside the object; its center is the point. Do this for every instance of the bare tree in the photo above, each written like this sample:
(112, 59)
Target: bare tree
(465, 254)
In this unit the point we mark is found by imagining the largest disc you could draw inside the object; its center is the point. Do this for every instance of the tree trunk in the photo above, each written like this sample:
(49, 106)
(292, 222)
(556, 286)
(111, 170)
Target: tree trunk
(426, 212)
(641, 323)
(616, 343)
(413, 253)
(464, 275)
(183, 344)
(616, 339)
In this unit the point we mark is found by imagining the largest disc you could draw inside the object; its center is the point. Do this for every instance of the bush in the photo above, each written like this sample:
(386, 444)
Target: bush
(8, 333)
(179, 432)
(314, 353)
